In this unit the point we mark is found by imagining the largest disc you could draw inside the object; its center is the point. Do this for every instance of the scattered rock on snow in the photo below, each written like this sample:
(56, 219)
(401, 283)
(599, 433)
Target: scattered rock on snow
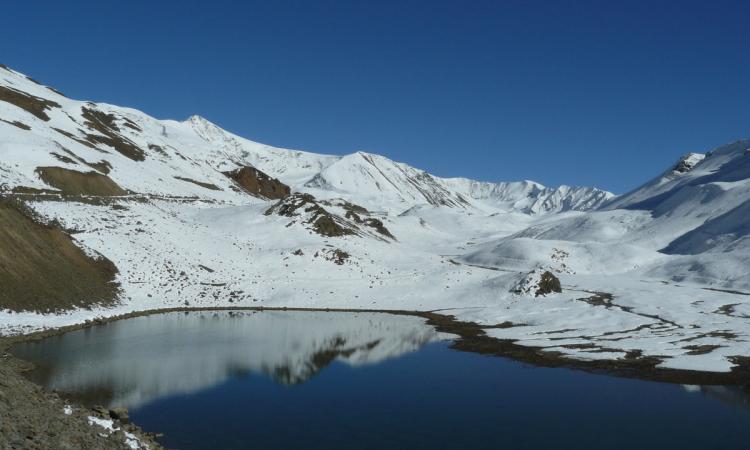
(318, 218)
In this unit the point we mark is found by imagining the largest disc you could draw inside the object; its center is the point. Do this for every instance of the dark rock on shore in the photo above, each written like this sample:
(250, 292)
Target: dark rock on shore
(120, 414)
(32, 418)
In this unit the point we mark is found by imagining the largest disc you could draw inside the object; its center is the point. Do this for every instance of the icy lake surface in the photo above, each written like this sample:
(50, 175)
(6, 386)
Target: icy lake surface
(283, 379)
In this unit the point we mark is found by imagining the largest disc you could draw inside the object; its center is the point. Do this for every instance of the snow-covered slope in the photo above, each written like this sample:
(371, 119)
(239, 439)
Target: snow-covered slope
(530, 197)
(377, 180)
(660, 272)
(688, 228)
(697, 207)
(165, 157)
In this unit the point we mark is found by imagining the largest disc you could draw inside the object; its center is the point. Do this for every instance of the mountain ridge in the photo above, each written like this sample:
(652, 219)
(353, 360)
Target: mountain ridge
(81, 127)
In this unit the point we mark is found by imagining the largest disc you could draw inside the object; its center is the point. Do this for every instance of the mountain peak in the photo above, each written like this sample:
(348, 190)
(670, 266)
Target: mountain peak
(198, 120)
(688, 161)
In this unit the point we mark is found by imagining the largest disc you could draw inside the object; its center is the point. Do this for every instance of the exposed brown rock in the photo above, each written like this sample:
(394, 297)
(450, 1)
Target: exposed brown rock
(76, 138)
(63, 158)
(202, 184)
(41, 269)
(73, 182)
(371, 222)
(102, 166)
(256, 182)
(548, 284)
(120, 413)
(34, 105)
(321, 221)
(157, 148)
(18, 124)
(106, 125)
(325, 225)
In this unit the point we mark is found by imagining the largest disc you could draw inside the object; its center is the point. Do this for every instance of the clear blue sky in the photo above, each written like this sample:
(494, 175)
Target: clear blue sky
(602, 93)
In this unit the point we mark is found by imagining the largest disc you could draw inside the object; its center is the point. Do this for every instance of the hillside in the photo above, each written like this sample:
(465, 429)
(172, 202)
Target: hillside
(190, 215)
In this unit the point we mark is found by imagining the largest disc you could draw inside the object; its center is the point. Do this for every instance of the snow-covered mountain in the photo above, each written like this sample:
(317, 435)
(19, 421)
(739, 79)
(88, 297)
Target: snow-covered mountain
(697, 210)
(377, 180)
(192, 215)
(42, 128)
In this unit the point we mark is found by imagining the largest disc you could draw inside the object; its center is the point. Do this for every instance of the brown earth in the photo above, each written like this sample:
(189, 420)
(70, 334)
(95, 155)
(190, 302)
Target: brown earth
(256, 182)
(41, 268)
(77, 139)
(33, 191)
(202, 184)
(371, 222)
(34, 105)
(106, 124)
(79, 183)
(102, 166)
(548, 284)
(18, 124)
(321, 221)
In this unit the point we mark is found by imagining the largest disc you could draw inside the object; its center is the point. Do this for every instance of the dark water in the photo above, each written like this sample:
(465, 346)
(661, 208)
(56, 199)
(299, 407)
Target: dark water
(341, 380)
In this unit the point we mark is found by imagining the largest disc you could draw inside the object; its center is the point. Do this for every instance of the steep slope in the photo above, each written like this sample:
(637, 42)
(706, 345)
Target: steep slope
(379, 180)
(38, 262)
(700, 204)
(722, 169)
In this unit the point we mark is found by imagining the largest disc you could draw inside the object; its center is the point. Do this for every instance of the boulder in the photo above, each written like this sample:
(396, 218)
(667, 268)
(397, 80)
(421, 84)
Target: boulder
(119, 413)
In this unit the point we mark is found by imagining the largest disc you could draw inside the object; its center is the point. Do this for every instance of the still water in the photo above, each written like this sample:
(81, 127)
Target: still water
(325, 380)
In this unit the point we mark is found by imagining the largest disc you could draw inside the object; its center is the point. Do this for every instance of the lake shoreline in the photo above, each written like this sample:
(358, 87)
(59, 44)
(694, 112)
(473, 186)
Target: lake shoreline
(34, 417)
(47, 407)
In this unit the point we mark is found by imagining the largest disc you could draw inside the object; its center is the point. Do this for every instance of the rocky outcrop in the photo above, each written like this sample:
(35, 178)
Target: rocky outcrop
(202, 184)
(687, 162)
(255, 182)
(119, 413)
(110, 133)
(311, 213)
(371, 222)
(341, 219)
(548, 283)
(33, 105)
(72, 182)
(538, 282)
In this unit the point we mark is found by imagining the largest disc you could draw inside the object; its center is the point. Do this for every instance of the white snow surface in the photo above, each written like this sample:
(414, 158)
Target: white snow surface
(673, 253)
(131, 440)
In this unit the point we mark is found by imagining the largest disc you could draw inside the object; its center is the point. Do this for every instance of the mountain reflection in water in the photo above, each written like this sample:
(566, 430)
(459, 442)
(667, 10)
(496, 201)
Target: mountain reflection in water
(132, 362)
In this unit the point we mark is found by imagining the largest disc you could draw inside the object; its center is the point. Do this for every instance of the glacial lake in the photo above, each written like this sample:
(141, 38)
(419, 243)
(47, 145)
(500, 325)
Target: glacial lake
(329, 380)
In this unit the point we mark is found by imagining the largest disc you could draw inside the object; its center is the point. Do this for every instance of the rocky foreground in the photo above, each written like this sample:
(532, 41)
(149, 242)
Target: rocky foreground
(32, 418)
